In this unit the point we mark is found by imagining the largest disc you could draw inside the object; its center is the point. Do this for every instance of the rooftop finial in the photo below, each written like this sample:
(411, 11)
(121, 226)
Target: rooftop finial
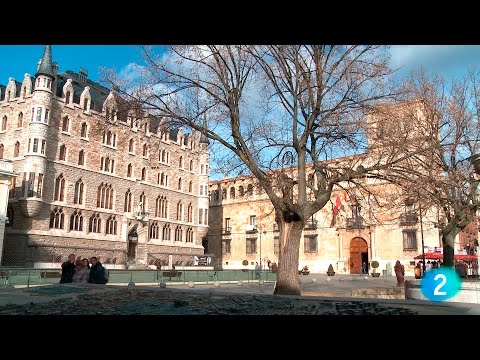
(203, 137)
(45, 67)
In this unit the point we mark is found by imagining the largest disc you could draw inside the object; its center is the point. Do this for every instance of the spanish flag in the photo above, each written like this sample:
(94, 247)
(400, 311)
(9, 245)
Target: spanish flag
(336, 207)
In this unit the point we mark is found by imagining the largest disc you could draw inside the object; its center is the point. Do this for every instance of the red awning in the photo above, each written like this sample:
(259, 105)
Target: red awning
(438, 256)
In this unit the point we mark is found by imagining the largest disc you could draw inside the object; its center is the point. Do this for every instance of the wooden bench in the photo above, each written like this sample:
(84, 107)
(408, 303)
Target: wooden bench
(171, 274)
(51, 274)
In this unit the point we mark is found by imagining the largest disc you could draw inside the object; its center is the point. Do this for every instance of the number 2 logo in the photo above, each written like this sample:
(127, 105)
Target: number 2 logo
(440, 284)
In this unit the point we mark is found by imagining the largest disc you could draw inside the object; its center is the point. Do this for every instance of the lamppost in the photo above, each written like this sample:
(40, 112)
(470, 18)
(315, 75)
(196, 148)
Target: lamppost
(260, 262)
(421, 234)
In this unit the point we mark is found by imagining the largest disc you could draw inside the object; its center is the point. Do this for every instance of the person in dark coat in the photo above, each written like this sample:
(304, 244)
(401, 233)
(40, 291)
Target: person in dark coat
(68, 269)
(97, 272)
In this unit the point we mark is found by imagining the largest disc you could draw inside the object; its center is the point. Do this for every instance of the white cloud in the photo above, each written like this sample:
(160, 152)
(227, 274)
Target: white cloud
(446, 59)
(131, 72)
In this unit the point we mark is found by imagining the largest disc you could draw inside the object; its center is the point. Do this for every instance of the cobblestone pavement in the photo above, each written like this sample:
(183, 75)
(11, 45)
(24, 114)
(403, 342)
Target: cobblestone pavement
(122, 301)
(320, 296)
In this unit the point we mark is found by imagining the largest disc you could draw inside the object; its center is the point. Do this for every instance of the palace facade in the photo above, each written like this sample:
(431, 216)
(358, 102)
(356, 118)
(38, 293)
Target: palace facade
(349, 231)
(372, 221)
(97, 177)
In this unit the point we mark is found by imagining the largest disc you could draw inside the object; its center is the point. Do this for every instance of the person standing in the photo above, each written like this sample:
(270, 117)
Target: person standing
(364, 268)
(399, 273)
(68, 269)
(257, 270)
(428, 266)
(97, 272)
(81, 272)
(418, 270)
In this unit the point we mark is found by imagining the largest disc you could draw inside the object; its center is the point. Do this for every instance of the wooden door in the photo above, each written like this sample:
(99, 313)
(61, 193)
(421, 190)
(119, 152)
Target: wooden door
(132, 250)
(357, 247)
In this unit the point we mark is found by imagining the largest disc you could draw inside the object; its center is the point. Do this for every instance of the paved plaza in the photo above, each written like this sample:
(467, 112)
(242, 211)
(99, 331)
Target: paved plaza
(319, 297)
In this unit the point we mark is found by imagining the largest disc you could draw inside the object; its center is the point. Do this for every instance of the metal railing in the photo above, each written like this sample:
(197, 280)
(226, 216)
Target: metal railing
(311, 225)
(355, 223)
(409, 218)
(227, 230)
(38, 277)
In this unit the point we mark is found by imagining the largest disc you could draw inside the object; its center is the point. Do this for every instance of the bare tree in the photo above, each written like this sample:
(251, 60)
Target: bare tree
(283, 110)
(443, 176)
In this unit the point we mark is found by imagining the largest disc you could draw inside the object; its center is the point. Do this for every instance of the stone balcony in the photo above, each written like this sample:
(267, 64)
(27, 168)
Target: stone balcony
(355, 223)
(408, 219)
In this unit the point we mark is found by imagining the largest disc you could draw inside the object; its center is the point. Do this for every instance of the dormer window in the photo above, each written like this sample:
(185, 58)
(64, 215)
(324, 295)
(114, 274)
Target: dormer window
(67, 98)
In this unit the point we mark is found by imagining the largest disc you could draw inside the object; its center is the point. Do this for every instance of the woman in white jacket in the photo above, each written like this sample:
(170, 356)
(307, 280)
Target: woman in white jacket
(81, 272)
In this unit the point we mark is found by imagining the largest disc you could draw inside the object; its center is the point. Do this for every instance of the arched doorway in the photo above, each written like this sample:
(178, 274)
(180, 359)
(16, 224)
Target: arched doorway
(132, 244)
(358, 255)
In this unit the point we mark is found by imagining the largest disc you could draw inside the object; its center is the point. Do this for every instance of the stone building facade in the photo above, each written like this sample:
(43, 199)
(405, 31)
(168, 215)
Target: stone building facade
(97, 177)
(345, 233)
(374, 221)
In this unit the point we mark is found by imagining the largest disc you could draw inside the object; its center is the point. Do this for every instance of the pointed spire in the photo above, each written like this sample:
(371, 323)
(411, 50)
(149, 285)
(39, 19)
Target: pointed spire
(45, 67)
(203, 137)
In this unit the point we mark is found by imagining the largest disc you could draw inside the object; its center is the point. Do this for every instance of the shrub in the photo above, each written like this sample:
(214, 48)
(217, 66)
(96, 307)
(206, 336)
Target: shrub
(245, 262)
(375, 264)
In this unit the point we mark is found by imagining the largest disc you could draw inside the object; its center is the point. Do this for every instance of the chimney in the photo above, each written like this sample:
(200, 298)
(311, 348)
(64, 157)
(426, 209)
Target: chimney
(83, 75)
(38, 64)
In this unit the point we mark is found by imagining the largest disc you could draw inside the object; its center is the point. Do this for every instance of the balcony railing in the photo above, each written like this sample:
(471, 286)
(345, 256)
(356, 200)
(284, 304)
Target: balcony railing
(311, 225)
(355, 223)
(251, 228)
(227, 230)
(409, 218)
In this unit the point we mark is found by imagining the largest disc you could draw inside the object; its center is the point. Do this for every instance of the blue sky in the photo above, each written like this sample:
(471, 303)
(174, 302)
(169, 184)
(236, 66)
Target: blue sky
(16, 60)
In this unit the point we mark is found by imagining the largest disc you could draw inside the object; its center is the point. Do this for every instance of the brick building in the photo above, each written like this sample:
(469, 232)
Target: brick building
(97, 177)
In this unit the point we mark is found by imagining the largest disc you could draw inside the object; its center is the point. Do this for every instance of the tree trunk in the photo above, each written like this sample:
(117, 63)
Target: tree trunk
(287, 273)
(448, 252)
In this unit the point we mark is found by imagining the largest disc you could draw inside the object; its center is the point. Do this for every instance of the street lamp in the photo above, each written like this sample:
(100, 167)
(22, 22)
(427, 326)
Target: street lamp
(260, 244)
(421, 234)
